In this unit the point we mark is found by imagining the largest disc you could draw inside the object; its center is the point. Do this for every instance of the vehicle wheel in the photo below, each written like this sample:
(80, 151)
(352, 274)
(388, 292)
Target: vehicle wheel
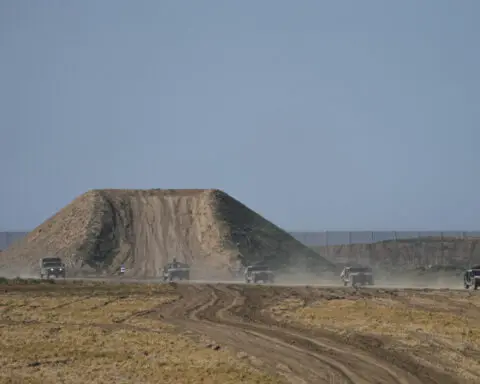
(466, 286)
(475, 287)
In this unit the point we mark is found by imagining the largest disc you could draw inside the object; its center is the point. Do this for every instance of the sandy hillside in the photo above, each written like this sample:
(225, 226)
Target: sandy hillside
(146, 228)
(408, 253)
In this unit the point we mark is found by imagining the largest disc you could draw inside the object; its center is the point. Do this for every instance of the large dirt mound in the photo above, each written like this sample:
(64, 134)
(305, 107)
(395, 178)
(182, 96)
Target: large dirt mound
(144, 229)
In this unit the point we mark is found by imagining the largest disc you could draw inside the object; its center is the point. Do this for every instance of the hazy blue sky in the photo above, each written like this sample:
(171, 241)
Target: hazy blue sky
(316, 114)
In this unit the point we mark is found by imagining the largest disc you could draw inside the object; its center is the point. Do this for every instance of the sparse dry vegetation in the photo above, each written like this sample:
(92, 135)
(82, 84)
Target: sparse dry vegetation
(440, 329)
(76, 333)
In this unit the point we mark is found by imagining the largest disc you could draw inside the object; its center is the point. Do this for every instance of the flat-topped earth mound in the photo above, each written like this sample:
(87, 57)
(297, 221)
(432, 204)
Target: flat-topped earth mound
(145, 229)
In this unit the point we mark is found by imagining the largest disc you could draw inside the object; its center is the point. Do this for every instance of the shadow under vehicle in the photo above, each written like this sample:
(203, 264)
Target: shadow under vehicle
(52, 266)
(471, 277)
(358, 275)
(257, 273)
(176, 271)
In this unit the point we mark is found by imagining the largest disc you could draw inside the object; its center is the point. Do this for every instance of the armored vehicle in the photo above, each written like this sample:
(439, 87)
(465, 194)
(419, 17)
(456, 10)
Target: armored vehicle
(471, 277)
(176, 271)
(52, 266)
(256, 273)
(357, 276)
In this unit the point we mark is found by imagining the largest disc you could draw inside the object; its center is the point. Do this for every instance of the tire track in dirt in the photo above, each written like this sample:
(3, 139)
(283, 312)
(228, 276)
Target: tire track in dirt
(209, 310)
(215, 312)
(296, 366)
(354, 364)
(375, 348)
(278, 359)
(327, 347)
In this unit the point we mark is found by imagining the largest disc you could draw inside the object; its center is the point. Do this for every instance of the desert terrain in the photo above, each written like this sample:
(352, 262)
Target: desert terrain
(416, 325)
(78, 331)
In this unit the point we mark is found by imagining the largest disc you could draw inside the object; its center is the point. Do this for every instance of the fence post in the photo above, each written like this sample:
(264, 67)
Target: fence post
(350, 246)
(442, 244)
(396, 246)
(326, 246)
(372, 245)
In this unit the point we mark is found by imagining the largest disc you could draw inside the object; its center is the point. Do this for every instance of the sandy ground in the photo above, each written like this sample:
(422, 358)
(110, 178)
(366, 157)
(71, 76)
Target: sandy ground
(106, 332)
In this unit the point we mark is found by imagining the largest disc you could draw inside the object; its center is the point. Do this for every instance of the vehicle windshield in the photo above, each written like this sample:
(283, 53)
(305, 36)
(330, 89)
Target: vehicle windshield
(259, 268)
(52, 265)
(52, 260)
(360, 269)
(476, 272)
(177, 265)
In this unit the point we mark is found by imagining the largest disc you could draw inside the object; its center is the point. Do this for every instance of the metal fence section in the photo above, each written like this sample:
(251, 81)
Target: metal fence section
(8, 238)
(324, 238)
(392, 249)
(328, 238)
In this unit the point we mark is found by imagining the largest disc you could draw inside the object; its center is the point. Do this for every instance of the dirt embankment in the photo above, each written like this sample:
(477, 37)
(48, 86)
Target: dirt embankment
(407, 254)
(144, 229)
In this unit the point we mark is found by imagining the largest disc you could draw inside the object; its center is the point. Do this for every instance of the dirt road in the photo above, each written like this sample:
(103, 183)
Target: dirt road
(234, 316)
(456, 285)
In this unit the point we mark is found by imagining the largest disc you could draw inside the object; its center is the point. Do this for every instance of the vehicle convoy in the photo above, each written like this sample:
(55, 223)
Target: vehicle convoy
(52, 266)
(471, 277)
(176, 271)
(257, 273)
(358, 275)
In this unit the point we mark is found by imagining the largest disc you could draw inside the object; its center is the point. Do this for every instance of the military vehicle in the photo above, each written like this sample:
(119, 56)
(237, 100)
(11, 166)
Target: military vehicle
(52, 266)
(256, 273)
(358, 275)
(471, 277)
(176, 271)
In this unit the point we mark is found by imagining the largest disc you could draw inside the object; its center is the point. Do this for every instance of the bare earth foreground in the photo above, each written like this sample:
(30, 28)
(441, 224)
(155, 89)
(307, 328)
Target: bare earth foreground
(79, 332)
